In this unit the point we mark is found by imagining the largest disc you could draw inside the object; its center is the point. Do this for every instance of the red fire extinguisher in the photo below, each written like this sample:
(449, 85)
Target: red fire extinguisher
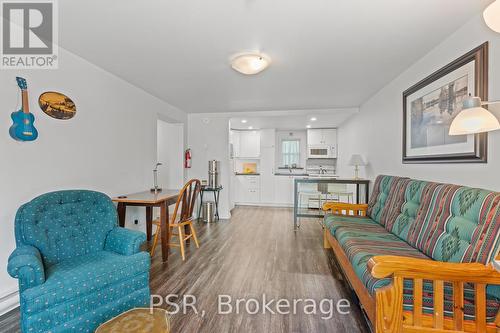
(187, 159)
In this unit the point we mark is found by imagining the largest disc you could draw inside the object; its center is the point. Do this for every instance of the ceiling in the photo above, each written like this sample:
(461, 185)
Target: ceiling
(292, 120)
(325, 54)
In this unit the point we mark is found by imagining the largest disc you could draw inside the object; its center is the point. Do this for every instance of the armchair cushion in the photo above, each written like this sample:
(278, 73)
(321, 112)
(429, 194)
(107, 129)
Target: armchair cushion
(76, 278)
(124, 241)
(25, 264)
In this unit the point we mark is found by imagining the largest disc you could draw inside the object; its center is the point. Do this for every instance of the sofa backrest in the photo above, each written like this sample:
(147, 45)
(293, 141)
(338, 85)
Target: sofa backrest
(403, 219)
(457, 224)
(383, 199)
(65, 224)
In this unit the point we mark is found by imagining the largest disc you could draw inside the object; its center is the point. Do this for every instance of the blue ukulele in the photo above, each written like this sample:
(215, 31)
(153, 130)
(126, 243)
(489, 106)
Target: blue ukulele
(23, 129)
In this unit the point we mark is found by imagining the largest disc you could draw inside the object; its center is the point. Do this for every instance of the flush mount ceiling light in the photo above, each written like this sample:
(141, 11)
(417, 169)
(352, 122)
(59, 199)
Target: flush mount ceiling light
(250, 63)
(474, 118)
(244, 121)
(492, 16)
(314, 118)
(308, 126)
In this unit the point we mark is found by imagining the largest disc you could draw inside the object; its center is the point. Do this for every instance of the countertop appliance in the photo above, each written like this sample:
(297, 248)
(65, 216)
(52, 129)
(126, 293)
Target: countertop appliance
(213, 174)
(321, 151)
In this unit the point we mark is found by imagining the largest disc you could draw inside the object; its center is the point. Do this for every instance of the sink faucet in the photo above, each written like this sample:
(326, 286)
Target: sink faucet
(322, 170)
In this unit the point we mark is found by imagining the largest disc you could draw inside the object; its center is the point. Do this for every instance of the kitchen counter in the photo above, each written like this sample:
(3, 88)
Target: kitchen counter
(291, 174)
(246, 174)
(299, 212)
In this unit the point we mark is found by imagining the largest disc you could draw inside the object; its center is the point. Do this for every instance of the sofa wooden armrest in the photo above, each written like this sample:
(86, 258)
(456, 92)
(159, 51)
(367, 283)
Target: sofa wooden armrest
(384, 266)
(347, 209)
(389, 299)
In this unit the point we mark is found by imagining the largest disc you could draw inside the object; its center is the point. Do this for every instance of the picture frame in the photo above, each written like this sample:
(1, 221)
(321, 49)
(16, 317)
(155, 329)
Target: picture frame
(430, 106)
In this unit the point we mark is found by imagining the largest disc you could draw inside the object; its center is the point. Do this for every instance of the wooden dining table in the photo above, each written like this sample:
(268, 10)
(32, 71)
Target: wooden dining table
(150, 199)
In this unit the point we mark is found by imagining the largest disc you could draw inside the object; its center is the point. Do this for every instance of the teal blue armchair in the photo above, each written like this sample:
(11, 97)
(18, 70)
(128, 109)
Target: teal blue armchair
(76, 267)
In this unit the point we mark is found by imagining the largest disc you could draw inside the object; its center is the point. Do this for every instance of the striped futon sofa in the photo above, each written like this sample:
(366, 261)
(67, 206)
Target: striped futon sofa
(419, 255)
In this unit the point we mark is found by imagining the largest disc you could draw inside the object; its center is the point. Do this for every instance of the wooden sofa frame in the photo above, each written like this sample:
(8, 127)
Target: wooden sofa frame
(385, 310)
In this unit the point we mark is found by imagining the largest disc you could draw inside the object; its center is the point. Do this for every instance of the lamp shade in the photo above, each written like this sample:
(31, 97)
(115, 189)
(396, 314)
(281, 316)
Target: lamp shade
(356, 160)
(250, 63)
(473, 119)
(492, 16)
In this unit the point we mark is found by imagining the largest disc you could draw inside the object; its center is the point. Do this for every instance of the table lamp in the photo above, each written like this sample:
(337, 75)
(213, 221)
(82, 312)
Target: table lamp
(356, 161)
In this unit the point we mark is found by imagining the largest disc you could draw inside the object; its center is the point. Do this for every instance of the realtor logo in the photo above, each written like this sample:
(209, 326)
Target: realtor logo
(29, 35)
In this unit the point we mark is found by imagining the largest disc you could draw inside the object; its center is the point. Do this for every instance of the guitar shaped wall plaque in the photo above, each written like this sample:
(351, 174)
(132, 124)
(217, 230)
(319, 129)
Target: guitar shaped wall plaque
(23, 128)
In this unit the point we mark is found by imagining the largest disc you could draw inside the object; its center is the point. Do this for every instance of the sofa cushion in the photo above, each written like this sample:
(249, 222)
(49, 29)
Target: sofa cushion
(361, 241)
(80, 276)
(333, 222)
(382, 201)
(402, 221)
(65, 224)
(458, 224)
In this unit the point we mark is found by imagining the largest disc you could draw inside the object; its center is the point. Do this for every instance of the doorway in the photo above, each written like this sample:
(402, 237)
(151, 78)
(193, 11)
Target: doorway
(170, 152)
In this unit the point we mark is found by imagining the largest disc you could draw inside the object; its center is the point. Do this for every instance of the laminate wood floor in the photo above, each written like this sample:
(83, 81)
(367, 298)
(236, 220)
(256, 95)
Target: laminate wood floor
(255, 253)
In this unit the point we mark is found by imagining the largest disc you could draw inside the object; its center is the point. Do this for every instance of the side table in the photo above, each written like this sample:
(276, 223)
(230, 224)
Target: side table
(216, 192)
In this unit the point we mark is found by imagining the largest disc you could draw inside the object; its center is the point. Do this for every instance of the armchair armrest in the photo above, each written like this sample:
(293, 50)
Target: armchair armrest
(26, 264)
(385, 266)
(341, 208)
(124, 241)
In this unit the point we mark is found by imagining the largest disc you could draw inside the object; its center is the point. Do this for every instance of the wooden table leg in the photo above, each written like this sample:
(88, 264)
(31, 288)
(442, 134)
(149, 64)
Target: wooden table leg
(149, 222)
(164, 230)
(122, 210)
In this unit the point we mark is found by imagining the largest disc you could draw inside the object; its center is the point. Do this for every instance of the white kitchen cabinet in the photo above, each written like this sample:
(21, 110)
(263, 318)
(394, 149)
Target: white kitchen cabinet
(330, 136)
(314, 137)
(234, 140)
(249, 144)
(267, 175)
(283, 187)
(247, 189)
(322, 136)
(267, 138)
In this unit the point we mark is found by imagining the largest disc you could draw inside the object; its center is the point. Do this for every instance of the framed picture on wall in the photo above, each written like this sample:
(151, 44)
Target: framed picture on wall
(430, 106)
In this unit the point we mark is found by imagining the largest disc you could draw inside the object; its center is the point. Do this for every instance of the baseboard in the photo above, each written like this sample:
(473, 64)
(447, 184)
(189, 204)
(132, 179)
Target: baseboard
(9, 301)
(264, 204)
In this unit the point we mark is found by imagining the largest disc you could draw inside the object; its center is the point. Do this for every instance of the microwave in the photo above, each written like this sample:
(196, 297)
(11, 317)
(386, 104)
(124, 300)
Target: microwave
(321, 151)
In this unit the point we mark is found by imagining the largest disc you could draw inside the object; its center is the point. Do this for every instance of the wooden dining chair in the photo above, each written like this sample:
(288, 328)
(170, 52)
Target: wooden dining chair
(181, 218)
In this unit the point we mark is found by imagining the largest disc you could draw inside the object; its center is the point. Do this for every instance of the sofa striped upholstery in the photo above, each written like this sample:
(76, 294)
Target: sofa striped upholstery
(422, 219)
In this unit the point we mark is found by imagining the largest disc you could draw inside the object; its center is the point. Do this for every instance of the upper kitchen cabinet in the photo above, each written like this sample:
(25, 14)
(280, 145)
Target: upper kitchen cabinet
(268, 138)
(246, 144)
(322, 136)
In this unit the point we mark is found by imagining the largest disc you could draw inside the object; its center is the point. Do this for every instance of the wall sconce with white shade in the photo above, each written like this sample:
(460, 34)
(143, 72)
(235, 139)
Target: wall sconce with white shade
(474, 118)
(492, 16)
(356, 161)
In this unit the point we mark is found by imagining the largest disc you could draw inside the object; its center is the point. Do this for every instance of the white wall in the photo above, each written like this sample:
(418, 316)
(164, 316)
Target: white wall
(110, 145)
(376, 131)
(208, 138)
(170, 154)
